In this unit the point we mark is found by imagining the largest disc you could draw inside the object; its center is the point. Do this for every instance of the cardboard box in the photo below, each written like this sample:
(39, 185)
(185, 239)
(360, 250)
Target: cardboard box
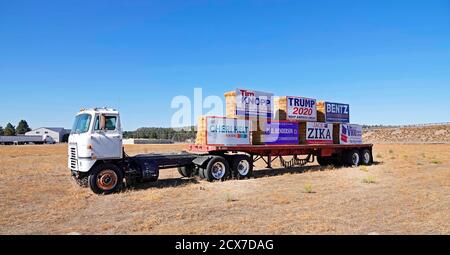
(294, 108)
(333, 112)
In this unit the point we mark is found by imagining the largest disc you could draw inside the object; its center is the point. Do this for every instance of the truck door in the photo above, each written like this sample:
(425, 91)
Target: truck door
(107, 142)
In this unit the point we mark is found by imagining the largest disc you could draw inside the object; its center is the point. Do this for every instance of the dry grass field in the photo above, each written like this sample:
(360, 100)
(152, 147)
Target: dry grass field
(406, 192)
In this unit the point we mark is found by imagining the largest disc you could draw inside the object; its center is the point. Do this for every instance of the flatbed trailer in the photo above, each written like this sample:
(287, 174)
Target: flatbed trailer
(336, 154)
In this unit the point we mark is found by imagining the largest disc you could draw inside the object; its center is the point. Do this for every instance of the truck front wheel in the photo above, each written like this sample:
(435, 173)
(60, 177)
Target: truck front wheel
(105, 179)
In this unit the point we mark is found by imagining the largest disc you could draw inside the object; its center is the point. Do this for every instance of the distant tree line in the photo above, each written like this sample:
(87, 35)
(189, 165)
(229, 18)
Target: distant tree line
(10, 130)
(176, 135)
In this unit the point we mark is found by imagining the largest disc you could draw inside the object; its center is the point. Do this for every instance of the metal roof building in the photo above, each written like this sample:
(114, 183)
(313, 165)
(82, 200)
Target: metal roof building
(56, 133)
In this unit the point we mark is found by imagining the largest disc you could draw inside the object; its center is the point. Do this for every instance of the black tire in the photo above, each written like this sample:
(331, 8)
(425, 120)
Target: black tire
(338, 161)
(352, 158)
(105, 179)
(366, 157)
(201, 173)
(241, 166)
(217, 169)
(186, 171)
(324, 161)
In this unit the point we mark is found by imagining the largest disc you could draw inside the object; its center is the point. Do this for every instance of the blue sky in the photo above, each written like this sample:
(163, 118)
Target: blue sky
(389, 59)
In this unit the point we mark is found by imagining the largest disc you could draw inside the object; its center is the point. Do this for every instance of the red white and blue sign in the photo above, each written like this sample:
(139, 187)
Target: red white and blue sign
(350, 134)
(319, 133)
(280, 133)
(337, 113)
(301, 108)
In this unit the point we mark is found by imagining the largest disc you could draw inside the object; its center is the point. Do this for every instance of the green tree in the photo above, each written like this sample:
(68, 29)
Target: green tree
(9, 130)
(22, 127)
(1, 130)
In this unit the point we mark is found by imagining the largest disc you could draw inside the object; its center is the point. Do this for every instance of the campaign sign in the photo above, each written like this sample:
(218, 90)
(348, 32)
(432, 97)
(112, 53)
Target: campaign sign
(227, 131)
(319, 133)
(301, 108)
(253, 103)
(280, 133)
(337, 113)
(350, 134)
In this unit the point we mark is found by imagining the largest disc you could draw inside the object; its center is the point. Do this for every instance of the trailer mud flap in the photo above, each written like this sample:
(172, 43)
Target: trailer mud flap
(202, 161)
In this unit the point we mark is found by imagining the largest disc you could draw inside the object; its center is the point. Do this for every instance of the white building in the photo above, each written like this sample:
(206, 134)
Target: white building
(56, 133)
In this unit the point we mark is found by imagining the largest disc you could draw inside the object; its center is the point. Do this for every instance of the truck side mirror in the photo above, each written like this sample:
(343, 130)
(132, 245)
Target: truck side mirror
(102, 122)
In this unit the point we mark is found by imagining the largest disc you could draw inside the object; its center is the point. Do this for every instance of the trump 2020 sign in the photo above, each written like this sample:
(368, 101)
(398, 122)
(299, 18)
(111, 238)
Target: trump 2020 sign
(301, 108)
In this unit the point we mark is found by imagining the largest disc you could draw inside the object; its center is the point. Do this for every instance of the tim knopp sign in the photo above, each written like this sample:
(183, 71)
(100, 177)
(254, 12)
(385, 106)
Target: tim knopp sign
(253, 103)
(227, 131)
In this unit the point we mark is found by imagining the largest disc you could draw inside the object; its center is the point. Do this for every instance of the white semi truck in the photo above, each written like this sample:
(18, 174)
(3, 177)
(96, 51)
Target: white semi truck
(96, 157)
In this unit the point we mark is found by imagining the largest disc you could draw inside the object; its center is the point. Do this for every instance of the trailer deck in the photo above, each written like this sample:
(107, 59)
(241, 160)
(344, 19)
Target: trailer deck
(269, 153)
(279, 150)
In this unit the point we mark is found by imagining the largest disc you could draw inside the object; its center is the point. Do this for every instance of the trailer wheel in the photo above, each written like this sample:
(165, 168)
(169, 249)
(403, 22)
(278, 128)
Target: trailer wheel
(105, 179)
(186, 171)
(217, 169)
(352, 158)
(366, 157)
(242, 166)
(324, 161)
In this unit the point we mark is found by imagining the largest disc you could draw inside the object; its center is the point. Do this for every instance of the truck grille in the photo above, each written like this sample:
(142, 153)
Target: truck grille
(73, 158)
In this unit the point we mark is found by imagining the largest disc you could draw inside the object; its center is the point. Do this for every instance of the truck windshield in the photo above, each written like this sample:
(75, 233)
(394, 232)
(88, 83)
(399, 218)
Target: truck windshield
(82, 123)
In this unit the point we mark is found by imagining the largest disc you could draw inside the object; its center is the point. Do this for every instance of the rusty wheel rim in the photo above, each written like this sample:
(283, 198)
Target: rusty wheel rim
(107, 179)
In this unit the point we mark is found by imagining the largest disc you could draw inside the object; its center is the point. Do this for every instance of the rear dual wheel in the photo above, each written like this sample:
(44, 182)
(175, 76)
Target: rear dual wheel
(366, 157)
(355, 158)
(352, 158)
(217, 169)
(241, 166)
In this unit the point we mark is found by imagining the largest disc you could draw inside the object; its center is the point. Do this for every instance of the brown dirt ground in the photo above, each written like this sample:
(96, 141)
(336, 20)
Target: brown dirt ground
(419, 134)
(410, 194)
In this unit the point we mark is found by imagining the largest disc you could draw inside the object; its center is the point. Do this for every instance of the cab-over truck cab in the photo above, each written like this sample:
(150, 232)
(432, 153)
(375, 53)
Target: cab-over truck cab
(96, 157)
(96, 137)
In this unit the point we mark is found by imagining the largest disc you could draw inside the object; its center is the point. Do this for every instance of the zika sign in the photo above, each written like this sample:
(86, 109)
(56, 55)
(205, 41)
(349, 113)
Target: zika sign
(337, 113)
(227, 131)
(253, 103)
(319, 133)
(350, 134)
(301, 108)
(280, 133)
